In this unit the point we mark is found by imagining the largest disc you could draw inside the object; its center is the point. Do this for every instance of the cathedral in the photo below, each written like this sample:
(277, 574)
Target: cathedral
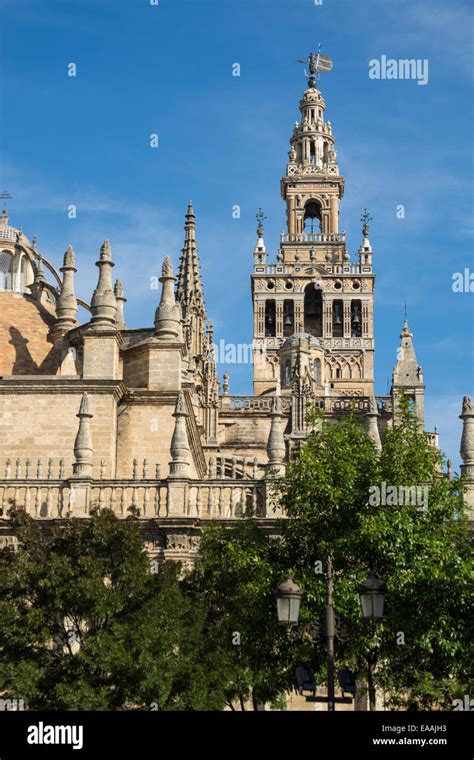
(102, 415)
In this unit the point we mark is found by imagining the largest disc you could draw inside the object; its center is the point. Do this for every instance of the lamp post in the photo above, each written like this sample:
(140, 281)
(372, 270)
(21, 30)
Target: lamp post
(372, 595)
(372, 598)
(288, 597)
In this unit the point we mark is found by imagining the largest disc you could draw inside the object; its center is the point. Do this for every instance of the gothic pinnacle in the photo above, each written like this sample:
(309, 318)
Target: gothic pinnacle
(82, 467)
(168, 313)
(373, 428)
(189, 286)
(66, 309)
(276, 441)
(121, 301)
(103, 304)
(467, 452)
(179, 448)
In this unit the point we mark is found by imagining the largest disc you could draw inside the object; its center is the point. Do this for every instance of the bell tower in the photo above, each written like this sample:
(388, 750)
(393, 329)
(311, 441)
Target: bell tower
(313, 289)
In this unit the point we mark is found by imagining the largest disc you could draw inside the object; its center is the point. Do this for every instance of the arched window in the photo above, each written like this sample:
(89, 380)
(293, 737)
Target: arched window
(312, 153)
(312, 217)
(270, 319)
(325, 153)
(313, 311)
(21, 283)
(288, 318)
(356, 319)
(337, 319)
(317, 371)
(6, 270)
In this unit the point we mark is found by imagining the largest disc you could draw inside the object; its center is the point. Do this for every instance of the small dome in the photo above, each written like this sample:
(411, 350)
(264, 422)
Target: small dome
(294, 339)
(8, 233)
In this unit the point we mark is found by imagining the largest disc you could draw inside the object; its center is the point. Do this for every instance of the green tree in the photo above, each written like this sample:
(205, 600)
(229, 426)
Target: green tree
(85, 625)
(420, 550)
(236, 573)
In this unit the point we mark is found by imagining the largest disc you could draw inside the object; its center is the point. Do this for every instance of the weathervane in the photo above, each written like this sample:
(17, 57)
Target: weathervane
(365, 218)
(260, 216)
(316, 64)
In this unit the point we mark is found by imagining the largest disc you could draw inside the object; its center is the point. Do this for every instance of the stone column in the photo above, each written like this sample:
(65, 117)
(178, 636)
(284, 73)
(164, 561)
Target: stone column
(291, 214)
(467, 451)
(334, 221)
(346, 305)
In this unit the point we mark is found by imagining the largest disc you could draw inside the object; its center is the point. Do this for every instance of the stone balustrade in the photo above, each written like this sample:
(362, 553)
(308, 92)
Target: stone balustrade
(206, 499)
(325, 403)
(40, 487)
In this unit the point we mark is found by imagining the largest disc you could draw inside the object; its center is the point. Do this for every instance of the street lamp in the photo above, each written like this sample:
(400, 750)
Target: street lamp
(372, 597)
(288, 598)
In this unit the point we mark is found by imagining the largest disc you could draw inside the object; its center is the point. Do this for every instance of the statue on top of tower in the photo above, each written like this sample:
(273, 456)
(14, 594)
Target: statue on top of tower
(365, 218)
(316, 64)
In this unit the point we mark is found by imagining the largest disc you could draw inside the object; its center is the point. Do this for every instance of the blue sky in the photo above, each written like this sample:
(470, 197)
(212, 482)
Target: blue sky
(223, 140)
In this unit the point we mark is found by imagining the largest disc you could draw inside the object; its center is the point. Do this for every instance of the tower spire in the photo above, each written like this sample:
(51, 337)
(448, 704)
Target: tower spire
(189, 292)
(408, 374)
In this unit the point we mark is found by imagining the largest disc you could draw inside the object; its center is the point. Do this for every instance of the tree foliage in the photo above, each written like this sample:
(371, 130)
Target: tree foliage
(85, 625)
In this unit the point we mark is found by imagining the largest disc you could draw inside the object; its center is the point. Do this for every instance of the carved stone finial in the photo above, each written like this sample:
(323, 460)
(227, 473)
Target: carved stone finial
(167, 268)
(276, 447)
(467, 439)
(66, 308)
(373, 428)
(467, 451)
(121, 301)
(82, 467)
(103, 304)
(179, 448)
(105, 251)
(168, 314)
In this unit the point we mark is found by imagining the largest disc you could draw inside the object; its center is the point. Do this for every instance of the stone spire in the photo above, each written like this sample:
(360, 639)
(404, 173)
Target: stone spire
(276, 442)
(168, 313)
(103, 304)
(179, 449)
(372, 427)
(407, 374)
(39, 273)
(121, 301)
(82, 467)
(40, 281)
(66, 309)
(467, 449)
(189, 292)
